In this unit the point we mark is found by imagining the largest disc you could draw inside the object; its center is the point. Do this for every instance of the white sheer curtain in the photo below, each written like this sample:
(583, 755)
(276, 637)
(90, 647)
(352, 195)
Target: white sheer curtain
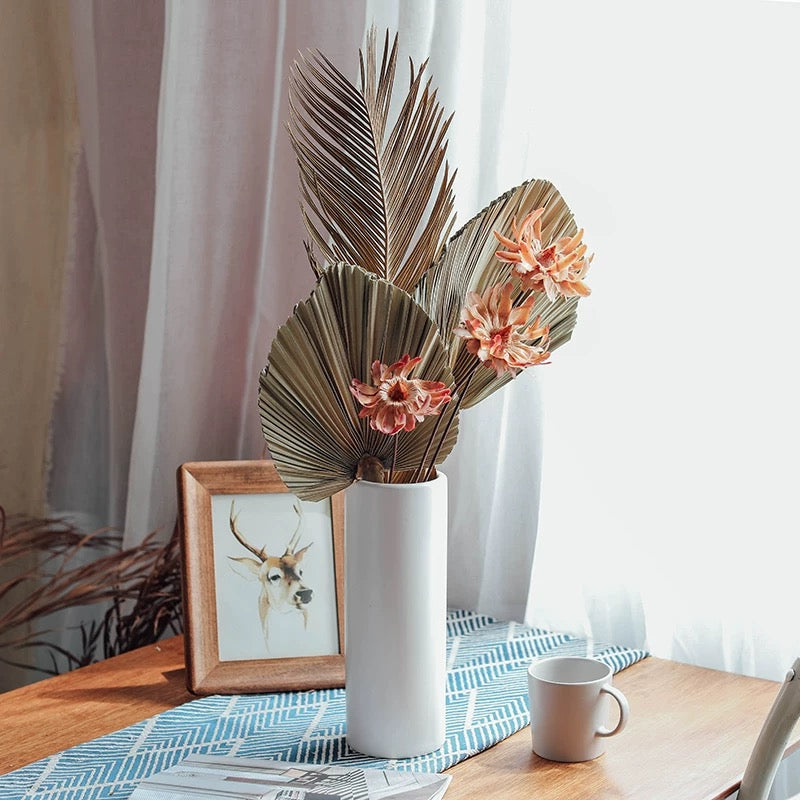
(187, 255)
(671, 433)
(117, 60)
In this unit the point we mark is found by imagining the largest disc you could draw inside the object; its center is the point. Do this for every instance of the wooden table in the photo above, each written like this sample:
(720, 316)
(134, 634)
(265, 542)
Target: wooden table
(690, 733)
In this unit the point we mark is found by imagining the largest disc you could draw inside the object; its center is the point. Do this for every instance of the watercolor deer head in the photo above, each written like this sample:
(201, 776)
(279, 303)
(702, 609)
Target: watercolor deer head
(281, 577)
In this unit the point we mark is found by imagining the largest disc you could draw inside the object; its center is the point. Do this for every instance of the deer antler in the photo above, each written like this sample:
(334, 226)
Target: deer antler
(257, 553)
(293, 542)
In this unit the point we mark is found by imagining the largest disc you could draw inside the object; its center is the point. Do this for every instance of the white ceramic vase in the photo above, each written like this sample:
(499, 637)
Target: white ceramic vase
(395, 607)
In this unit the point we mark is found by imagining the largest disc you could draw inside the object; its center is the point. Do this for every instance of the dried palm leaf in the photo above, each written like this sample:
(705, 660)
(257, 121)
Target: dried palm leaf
(469, 264)
(371, 199)
(308, 414)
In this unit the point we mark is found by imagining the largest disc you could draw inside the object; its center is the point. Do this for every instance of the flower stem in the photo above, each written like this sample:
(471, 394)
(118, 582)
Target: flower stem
(420, 468)
(461, 394)
(394, 458)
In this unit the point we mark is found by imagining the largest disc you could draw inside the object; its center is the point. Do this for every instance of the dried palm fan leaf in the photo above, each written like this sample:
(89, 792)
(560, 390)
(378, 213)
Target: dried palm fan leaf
(469, 264)
(308, 414)
(370, 199)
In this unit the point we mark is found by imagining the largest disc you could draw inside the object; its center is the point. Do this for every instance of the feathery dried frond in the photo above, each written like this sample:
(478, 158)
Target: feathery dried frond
(372, 194)
(469, 264)
(308, 414)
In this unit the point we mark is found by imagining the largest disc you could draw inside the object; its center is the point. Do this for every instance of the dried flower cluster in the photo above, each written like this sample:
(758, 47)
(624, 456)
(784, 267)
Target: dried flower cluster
(498, 333)
(461, 314)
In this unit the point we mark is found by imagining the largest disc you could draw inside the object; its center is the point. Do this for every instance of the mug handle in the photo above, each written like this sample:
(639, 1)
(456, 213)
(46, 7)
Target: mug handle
(624, 710)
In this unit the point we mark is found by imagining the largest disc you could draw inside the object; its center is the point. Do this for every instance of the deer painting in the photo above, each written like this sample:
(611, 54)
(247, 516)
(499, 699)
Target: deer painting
(281, 577)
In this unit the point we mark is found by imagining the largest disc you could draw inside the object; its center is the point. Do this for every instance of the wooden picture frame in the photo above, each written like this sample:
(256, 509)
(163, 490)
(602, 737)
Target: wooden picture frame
(225, 620)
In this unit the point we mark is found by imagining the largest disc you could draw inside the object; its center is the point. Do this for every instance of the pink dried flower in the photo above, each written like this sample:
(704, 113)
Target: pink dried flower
(397, 402)
(558, 268)
(496, 332)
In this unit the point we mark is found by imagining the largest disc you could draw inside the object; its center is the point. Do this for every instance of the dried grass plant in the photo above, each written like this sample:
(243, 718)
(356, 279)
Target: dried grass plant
(139, 588)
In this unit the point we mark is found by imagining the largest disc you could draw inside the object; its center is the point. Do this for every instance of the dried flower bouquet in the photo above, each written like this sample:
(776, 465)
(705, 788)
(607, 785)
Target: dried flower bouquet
(405, 328)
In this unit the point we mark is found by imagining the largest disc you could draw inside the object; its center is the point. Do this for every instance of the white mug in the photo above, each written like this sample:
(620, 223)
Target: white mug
(568, 707)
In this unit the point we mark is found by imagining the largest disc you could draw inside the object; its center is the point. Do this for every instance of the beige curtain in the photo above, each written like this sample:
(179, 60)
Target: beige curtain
(38, 139)
(38, 142)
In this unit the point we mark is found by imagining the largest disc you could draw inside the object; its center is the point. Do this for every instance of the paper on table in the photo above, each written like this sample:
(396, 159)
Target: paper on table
(220, 777)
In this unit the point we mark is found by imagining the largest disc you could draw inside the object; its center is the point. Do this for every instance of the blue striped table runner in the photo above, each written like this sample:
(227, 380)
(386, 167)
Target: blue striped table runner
(487, 701)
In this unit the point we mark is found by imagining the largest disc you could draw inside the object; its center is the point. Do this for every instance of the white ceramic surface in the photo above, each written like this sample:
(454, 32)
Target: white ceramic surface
(395, 607)
(569, 707)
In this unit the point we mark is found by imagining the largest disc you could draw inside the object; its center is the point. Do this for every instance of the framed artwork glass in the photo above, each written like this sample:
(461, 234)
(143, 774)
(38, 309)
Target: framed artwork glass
(262, 581)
